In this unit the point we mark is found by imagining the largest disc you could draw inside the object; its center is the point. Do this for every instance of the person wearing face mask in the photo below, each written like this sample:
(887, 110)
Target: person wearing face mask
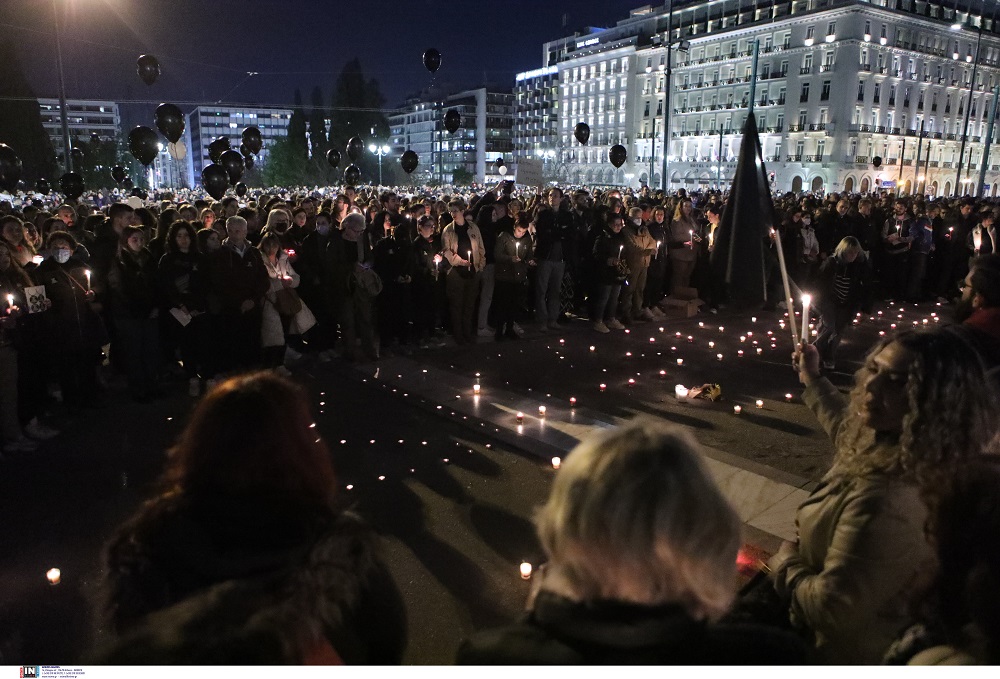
(279, 223)
(75, 330)
(639, 250)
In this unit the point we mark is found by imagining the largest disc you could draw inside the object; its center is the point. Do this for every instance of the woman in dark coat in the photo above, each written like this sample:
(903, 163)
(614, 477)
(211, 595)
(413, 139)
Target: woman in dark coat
(636, 577)
(248, 506)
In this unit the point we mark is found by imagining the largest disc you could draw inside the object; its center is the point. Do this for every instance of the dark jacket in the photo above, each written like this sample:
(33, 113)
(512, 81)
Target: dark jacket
(560, 632)
(554, 234)
(132, 285)
(181, 280)
(422, 253)
(609, 245)
(860, 274)
(235, 279)
(321, 572)
(507, 249)
(73, 325)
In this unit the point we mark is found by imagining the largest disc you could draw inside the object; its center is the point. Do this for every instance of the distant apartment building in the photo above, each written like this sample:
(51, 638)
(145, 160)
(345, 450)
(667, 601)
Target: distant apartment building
(85, 117)
(485, 135)
(838, 83)
(207, 123)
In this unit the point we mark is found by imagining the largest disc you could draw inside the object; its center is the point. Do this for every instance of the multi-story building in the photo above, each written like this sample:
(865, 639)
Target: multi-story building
(536, 115)
(839, 83)
(485, 135)
(207, 123)
(85, 117)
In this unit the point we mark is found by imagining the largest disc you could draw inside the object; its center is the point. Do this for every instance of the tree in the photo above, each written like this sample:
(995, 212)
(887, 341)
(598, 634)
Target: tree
(462, 177)
(363, 98)
(285, 164)
(20, 120)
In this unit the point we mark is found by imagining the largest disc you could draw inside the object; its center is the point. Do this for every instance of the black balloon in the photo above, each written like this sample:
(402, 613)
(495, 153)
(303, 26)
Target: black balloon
(148, 68)
(245, 151)
(10, 168)
(352, 175)
(248, 161)
(78, 155)
(217, 148)
(409, 161)
(452, 121)
(877, 162)
(241, 189)
(617, 155)
(143, 144)
(251, 137)
(127, 183)
(71, 184)
(582, 133)
(42, 186)
(499, 162)
(232, 161)
(355, 147)
(333, 157)
(215, 179)
(118, 173)
(432, 60)
(170, 121)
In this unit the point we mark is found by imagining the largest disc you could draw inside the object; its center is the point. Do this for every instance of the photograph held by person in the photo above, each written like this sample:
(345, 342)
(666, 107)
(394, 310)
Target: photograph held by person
(920, 410)
(247, 505)
(637, 577)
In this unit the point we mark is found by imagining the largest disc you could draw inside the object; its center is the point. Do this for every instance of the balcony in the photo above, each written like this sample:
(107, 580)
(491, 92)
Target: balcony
(817, 127)
(947, 165)
(890, 161)
(934, 163)
(867, 68)
(861, 160)
(805, 70)
(813, 159)
(793, 159)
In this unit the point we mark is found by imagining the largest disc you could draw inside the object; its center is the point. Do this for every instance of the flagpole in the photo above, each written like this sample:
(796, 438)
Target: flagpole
(989, 140)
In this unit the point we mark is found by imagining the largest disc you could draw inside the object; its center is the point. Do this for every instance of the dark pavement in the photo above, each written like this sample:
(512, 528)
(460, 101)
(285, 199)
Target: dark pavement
(455, 498)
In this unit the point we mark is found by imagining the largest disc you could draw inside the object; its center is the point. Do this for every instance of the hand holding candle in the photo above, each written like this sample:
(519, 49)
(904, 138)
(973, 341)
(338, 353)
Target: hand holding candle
(806, 301)
(87, 274)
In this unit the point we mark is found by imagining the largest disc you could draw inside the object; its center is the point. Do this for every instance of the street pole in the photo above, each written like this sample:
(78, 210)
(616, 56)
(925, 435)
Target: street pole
(899, 180)
(652, 155)
(664, 185)
(63, 118)
(916, 164)
(968, 111)
(753, 76)
(989, 140)
(927, 166)
(718, 175)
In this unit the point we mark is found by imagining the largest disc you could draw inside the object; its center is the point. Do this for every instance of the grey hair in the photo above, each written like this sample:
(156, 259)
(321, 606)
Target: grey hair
(635, 516)
(235, 221)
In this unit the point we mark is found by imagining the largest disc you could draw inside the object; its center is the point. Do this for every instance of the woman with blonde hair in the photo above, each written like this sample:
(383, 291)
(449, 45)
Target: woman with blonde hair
(641, 549)
(920, 410)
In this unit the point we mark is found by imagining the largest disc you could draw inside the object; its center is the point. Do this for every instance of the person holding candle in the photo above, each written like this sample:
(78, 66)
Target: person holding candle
(514, 257)
(611, 272)
(181, 283)
(463, 247)
(13, 280)
(76, 333)
(634, 578)
(639, 250)
(657, 271)
(428, 265)
(680, 247)
(920, 411)
(554, 247)
(276, 326)
(982, 239)
(843, 287)
(247, 534)
(896, 246)
(394, 265)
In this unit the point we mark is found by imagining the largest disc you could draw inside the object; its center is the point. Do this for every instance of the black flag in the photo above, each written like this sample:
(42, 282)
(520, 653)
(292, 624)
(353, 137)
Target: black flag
(740, 257)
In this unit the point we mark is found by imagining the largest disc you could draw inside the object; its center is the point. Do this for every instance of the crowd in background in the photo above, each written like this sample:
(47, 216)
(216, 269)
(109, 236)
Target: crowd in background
(886, 568)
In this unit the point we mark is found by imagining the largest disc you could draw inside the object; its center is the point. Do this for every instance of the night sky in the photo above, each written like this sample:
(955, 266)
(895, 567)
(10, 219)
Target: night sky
(205, 47)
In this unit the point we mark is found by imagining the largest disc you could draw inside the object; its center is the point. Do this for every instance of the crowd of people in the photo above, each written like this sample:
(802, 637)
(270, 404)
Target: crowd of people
(232, 293)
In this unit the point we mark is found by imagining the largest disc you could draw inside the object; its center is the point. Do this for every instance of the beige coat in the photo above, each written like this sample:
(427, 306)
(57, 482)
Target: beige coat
(637, 243)
(861, 550)
(449, 244)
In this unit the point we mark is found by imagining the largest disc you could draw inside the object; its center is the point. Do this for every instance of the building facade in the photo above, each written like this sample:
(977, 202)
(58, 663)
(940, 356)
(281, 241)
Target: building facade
(208, 123)
(85, 117)
(838, 83)
(485, 135)
(536, 116)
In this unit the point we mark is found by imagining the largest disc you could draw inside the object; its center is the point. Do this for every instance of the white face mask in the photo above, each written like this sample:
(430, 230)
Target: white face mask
(62, 256)
(323, 229)
(806, 221)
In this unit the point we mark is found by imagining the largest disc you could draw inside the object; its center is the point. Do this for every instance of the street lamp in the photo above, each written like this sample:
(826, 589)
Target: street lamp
(379, 151)
(972, 90)
(63, 119)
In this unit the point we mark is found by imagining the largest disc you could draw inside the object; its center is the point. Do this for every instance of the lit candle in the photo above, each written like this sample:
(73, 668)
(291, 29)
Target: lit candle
(603, 386)
(690, 338)
(680, 391)
(722, 328)
(788, 397)
(519, 417)
(739, 353)
(556, 462)
(718, 356)
(620, 249)
(753, 319)
(572, 401)
(806, 301)
(680, 361)
(475, 389)
(87, 274)
(663, 373)
(541, 411)
(711, 345)
(701, 324)
(657, 249)
(631, 381)
(737, 410)
(525, 570)
(691, 232)
(517, 249)
(53, 575)
(10, 301)
(759, 351)
(470, 259)
(743, 338)
(759, 404)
